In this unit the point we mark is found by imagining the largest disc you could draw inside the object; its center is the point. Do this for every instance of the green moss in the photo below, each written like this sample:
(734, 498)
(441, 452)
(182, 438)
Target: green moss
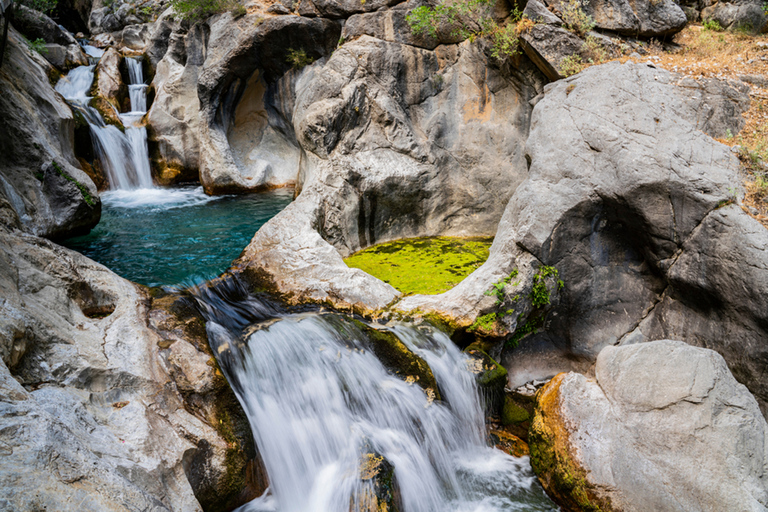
(484, 324)
(423, 265)
(83, 190)
(513, 413)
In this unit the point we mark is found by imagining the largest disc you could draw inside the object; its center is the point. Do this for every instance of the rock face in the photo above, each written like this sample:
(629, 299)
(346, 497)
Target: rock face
(247, 140)
(664, 426)
(412, 155)
(95, 403)
(624, 200)
(38, 131)
(645, 18)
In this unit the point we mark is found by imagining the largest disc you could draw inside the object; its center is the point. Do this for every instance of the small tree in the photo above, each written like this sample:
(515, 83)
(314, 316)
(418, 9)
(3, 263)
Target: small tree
(469, 19)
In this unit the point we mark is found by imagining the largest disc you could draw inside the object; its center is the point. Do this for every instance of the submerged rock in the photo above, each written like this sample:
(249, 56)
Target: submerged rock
(664, 426)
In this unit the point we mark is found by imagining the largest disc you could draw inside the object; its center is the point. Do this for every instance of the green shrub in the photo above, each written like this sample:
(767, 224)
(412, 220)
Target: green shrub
(201, 10)
(575, 19)
(44, 6)
(298, 58)
(570, 65)
(713, 25)
(38, 45)
(468, 19)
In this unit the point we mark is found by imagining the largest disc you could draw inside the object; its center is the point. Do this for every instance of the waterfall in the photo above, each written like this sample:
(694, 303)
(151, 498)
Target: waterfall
(124, 156)
(318, 400)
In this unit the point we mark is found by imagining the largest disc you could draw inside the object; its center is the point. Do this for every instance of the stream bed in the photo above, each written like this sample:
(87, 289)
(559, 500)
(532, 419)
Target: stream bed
(160, 237)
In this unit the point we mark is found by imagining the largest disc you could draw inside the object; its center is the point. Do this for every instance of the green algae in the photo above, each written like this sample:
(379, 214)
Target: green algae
(428, 266)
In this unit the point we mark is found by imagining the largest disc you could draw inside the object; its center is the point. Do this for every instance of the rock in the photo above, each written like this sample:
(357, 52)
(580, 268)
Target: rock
(745, 14)
(391, 25)
(663, 426)
(136, 37)
(549, 45)
(103, 20)
(508, 443)
(278, 9)
(86, 414)
(36, 25)
(645, 18)
(221, 479)
(38, 130)
(491, 379)
(390, 159)
(65, 58)
(536, 11)
(100, 406)
(383, 493)
(109, 81)
(250, 145)
(395, 356)
(346, 8)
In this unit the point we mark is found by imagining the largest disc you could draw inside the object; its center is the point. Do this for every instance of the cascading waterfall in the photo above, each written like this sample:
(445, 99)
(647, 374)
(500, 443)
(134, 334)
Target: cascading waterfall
(124, 156)
(319, 400)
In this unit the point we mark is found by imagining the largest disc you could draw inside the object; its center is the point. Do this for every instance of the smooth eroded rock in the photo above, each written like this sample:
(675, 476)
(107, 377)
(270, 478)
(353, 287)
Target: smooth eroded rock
(664, 426)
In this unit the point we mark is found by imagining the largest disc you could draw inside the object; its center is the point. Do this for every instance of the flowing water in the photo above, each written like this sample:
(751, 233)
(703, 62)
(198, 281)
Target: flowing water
(318, 400)
(124, 156)
(171, 236)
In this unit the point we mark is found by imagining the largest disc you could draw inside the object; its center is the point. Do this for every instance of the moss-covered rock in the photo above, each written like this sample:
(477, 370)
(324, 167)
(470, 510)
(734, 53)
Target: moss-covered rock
(552, 456)
(379, 493)
(423, 265)
(107, 111)
(398, 358)
(508, 443)
(491, 377)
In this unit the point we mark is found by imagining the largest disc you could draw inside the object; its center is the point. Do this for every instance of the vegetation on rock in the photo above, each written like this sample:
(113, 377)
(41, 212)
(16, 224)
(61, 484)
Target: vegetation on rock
(470, 19)
(423, 265)
(200, 10)
(551, 458)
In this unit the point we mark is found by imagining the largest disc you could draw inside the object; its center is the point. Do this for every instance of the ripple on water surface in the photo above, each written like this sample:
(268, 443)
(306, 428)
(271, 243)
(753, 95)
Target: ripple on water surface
(163, 237)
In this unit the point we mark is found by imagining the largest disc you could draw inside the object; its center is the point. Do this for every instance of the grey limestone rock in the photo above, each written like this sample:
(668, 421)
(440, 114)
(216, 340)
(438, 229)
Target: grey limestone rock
(38, 130)
(664, 426)
(744, 14)
(636, 18)
(109, 81)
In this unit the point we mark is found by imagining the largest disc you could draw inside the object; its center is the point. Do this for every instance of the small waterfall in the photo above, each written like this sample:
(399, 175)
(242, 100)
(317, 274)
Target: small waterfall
(318, 400)
(124, 156)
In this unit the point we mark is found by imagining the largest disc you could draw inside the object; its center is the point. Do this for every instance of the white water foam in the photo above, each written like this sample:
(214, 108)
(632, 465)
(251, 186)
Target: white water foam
(161, 198)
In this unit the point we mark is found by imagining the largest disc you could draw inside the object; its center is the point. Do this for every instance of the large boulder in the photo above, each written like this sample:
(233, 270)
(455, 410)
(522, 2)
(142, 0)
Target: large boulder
(101, 408)
(109, 80)
(646, 18)
(43, 189)
(36, 25)
(398, 142)
(663, 426)
(747, 15)
(174, 116)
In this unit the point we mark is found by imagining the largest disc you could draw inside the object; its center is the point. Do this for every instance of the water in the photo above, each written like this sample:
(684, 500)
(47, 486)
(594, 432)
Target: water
(171, 236)
(124, 157)
(318, 400)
